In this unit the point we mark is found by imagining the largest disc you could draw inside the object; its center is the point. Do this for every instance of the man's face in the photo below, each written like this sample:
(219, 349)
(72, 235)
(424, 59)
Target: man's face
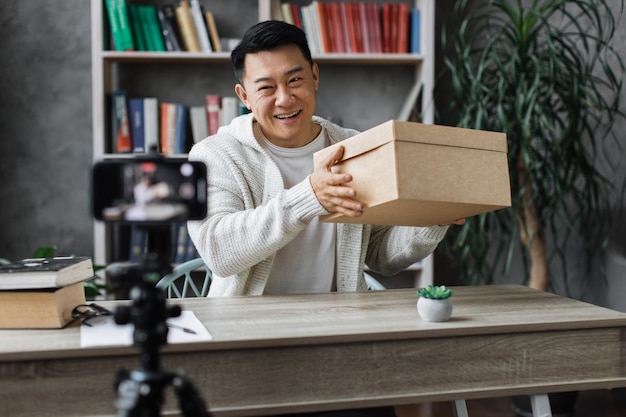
(279, 86)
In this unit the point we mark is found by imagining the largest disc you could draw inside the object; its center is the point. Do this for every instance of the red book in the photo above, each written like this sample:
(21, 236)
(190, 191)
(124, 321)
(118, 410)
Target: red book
(352, 28)
(403, 28)
(297, 17)
(345, 26)
(358, 26)
(168, 127)
(213, 106)
(386, 28)
(336, 32)
(322, 18)
(164, 125)
(395, 9)
(376, 28)
(366, 33)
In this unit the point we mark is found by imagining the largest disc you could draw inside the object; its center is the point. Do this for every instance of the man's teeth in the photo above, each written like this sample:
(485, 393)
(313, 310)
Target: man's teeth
(287, 116)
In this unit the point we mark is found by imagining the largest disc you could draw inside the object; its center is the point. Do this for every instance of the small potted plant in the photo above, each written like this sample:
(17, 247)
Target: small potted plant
(434, 303)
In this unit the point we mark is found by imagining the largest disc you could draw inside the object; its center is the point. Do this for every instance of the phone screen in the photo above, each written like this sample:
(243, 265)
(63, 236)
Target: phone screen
(159, 190)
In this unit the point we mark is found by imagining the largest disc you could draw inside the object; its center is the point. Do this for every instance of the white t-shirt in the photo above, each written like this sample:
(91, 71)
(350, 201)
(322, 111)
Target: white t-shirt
(307, 263)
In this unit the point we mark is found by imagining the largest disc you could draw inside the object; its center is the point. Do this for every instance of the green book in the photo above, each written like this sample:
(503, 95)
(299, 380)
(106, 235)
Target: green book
(135, 22)
(154, 28)
(117, 10)
(145, 30)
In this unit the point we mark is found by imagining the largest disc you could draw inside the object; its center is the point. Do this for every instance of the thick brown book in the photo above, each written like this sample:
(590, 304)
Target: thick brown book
(40, 273)
(187, 29)
(215, 37)
(40, 309)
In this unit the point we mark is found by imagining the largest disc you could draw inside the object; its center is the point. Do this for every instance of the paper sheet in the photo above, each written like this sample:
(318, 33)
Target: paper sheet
(105, 332)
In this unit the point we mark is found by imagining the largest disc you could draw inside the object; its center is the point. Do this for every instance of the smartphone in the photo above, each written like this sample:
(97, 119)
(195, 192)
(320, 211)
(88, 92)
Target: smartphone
(149, 190)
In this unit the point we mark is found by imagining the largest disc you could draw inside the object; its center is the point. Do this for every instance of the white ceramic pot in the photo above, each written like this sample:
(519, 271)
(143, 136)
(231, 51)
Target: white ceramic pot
(434, 310)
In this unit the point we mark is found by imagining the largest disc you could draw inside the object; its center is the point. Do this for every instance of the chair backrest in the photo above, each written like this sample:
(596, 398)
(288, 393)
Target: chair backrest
(183, 271)
(373, 283)
(186, 288)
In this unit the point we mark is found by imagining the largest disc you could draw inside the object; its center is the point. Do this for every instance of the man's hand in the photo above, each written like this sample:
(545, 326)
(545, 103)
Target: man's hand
(460, 222)
(331, 189)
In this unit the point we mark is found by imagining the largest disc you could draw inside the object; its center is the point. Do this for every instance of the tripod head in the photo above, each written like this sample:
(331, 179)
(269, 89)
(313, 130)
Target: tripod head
(140, 391)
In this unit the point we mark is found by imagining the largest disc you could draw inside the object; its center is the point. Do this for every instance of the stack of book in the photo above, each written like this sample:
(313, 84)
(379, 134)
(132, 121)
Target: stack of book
(356, 27)
(41, 293)
(141, 124)
(182, 26)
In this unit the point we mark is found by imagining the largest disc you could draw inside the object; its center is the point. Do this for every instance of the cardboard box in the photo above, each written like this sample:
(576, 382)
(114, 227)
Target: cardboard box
(414, 174)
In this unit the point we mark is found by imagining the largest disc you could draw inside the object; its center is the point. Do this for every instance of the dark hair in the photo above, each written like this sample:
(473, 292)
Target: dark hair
(265, 36)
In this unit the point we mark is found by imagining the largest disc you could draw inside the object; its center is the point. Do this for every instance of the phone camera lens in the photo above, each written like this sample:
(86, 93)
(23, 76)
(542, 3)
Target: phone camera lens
(186, 191)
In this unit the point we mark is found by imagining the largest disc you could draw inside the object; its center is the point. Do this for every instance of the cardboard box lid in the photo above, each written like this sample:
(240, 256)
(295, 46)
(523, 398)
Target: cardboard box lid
(394, 130)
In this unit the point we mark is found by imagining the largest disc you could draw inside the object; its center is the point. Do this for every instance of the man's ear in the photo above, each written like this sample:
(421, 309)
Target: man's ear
(243, 96)
(316, 75)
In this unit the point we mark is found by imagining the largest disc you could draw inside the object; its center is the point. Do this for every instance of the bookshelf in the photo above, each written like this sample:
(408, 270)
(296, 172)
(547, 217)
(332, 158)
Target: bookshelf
(407, 79)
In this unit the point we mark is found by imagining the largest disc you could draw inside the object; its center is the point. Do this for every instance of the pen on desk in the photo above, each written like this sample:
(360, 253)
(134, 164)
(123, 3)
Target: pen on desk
(184, 329)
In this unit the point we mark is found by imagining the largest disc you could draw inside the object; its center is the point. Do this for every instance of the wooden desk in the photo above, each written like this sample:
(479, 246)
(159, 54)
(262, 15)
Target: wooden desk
(279, 354)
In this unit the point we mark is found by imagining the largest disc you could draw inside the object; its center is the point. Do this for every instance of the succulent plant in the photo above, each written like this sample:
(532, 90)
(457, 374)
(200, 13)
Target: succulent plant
(436, 292)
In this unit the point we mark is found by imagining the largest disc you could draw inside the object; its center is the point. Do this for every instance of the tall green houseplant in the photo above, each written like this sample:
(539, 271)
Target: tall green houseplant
(546, 73)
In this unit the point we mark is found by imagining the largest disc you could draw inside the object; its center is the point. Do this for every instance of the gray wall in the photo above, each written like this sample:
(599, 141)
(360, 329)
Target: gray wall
(45, 124)
(45, 127)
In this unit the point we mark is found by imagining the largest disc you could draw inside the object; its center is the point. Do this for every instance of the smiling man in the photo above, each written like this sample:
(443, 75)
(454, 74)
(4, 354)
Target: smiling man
(262, 234)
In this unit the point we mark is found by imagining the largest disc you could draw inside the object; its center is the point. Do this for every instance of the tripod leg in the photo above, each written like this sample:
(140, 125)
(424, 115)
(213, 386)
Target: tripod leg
(139, 394)
(189, 400)
(127, 398)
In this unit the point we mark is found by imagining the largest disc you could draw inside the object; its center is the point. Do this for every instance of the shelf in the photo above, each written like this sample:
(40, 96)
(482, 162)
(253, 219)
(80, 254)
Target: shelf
(140, 155)
(224, 58)
(370, 59)
(165, 57)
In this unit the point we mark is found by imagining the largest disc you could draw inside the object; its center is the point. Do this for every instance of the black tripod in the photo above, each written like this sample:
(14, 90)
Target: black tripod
(140, 391)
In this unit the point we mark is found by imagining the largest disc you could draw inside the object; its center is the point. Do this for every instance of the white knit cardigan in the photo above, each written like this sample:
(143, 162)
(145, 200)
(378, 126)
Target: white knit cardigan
(251, 216)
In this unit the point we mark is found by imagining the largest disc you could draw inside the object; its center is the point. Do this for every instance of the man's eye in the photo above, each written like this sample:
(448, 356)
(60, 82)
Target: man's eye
(295, 80)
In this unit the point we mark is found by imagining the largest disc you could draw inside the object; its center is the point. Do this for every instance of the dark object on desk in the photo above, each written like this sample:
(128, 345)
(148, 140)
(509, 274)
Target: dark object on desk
(89, 312)
(36, 273)
(181, 328)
